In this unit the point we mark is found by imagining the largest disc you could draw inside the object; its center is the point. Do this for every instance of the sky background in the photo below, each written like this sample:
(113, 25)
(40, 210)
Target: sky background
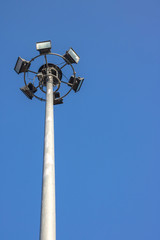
(107, 135)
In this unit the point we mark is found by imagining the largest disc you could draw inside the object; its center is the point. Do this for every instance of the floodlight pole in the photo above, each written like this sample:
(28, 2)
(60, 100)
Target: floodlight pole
(48, 76)
(48, 208)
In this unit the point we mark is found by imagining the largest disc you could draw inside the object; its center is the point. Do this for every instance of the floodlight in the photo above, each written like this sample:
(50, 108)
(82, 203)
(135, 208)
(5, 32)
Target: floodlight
(43, 47)
(56, 98)
(58, 101)
(21, 65)
(76, 82)
(29, 90)
(71, 56)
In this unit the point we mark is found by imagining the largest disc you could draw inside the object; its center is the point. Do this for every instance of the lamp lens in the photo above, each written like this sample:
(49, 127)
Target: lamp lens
(73, 55)
(43, 45)
(18, 65)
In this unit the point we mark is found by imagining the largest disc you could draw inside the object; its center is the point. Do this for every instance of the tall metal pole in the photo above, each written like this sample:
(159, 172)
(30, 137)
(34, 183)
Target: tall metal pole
(48, 209)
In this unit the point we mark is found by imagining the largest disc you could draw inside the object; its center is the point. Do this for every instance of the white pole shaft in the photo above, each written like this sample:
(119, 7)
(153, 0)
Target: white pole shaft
(48, 208)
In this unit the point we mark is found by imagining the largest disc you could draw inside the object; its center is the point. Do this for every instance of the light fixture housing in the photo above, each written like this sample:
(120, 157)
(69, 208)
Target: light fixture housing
(76, 83)
(44, 47)
(58, 101)
(29, 90)
(56, 98)
(21, 65)
(71, 56)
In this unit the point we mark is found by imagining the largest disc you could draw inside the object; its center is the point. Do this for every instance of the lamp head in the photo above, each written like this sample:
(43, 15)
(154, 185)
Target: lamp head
(21, 65)
(44, 47)
(56, 98)
(76, 83)
(29, 90)
(72, 56)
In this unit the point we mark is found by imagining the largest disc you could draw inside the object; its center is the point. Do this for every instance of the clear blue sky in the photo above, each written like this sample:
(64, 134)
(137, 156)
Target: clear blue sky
(107, 136)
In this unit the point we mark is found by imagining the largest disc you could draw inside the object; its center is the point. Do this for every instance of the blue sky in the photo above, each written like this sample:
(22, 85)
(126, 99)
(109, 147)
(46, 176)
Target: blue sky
(106, 136)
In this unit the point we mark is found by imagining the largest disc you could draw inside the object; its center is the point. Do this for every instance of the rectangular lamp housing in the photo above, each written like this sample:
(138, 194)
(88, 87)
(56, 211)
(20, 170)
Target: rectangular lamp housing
(44, 47)
(77, 83)
(21, 65)
(29, 90)
(72, 56)
(58, 101)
